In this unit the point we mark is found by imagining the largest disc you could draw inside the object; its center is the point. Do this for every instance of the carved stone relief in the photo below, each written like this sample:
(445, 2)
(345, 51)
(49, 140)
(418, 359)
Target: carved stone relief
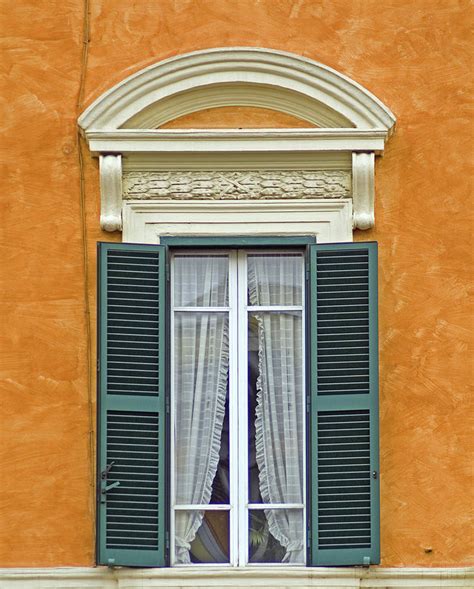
(234, 185)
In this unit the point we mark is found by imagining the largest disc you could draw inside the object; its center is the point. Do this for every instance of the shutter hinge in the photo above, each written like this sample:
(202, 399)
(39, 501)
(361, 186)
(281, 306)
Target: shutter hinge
(308, 404)
(307, 274)
(308, 537)
(167, 540)
(98, 365)
(167, 271)
(167, 404)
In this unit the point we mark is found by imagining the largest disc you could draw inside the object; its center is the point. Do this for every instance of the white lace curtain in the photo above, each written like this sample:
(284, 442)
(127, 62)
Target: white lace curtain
(279, 411)
(201, 359)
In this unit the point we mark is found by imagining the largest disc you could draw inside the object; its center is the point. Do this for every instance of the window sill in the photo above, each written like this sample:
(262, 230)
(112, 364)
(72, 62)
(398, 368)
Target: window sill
(268, 577)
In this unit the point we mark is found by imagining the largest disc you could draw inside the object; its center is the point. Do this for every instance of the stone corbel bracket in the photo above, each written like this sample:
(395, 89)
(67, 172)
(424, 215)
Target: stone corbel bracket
(363, 190)
(110, 167)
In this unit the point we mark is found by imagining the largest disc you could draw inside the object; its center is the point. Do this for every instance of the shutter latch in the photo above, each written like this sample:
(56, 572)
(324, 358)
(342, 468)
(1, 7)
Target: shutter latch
(104, 487)
(111, 486)
(104, 474)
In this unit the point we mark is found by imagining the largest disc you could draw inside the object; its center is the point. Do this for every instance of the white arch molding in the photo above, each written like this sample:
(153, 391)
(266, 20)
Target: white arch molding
(121, 127)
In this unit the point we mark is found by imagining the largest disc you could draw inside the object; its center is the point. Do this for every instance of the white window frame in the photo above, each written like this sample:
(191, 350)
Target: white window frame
(237, 309)
(148, 221)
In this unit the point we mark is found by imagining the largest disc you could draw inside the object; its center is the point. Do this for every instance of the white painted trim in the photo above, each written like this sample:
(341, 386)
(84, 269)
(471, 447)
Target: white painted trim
(233, 408)
(251, 76)
(159, 141)
(363, 190)
(241, 389)
(329, 220)
(244, 160)
(264, 577)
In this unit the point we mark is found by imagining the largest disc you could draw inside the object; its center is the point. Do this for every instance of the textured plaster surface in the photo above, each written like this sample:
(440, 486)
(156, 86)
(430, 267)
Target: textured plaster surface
(233, 117)
(415, 56)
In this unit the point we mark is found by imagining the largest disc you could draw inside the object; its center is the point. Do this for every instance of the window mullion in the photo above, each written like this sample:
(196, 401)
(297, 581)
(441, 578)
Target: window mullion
(233, 409)
(243, 408)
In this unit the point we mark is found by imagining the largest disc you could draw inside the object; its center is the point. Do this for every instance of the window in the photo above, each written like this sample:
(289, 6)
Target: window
(238, 415)
(238, 403)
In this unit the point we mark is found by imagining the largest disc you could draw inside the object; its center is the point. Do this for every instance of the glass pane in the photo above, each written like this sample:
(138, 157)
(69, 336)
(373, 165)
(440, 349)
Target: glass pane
(207, 534)
(276, 535)
(276, 407)
(201, 281)
(201, 366)
(275, 279)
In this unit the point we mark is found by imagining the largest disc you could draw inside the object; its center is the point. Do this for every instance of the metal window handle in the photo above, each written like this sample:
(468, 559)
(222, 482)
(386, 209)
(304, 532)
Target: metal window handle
(112, 486)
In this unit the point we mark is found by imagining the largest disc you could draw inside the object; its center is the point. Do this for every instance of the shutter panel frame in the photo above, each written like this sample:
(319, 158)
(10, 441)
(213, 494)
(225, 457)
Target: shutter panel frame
(134, 537)
(348, 410)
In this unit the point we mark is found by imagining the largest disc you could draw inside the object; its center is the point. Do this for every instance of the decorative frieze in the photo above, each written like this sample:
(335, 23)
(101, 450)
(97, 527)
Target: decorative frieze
(235, 185)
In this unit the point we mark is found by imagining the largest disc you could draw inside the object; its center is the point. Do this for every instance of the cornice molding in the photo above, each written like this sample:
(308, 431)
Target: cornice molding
(130, 141)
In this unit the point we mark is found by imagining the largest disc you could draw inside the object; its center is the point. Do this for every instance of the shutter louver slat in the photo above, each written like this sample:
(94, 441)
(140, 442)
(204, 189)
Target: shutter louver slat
(119, 445)
(344, 409)
(131, 513)
(337, 339)
(332, 491)
(133, 319)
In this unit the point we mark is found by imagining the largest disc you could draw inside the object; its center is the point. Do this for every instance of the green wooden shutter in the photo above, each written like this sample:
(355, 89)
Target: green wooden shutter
(131, 490)
(344, 404)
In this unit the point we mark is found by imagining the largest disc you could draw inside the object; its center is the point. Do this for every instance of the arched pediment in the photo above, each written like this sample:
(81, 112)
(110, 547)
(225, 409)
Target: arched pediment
(347, 128)
(239, 76)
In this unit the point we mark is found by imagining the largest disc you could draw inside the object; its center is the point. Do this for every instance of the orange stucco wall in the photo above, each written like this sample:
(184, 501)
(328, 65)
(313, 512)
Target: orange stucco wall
(414, 55)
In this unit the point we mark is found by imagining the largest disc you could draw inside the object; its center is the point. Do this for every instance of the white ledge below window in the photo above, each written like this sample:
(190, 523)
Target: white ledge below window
(267, 577)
